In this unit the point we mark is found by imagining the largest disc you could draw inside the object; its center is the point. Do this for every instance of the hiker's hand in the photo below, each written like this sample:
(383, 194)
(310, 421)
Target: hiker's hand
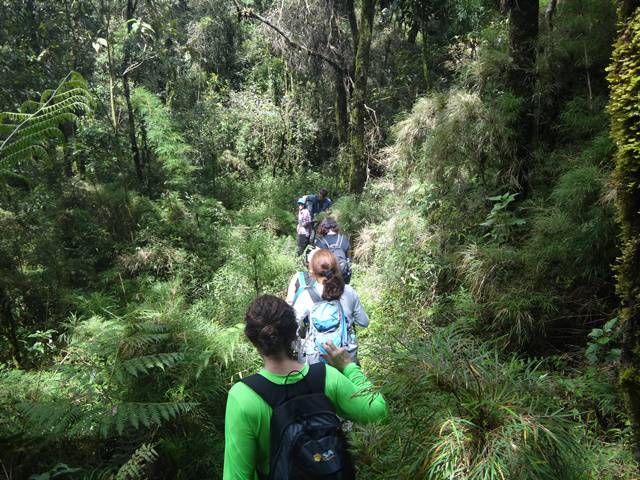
(336, 357)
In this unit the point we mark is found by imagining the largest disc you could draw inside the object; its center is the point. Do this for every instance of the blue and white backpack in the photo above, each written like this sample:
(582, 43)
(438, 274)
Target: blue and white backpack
(327, 322)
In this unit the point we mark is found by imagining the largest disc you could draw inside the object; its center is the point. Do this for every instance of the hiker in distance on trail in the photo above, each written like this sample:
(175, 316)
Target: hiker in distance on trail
(330, 237)
(326, 308)
(303, 229)
(282, 423)
(308, 207)
(318, 203)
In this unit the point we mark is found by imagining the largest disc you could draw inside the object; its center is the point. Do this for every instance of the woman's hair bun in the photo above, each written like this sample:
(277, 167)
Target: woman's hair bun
(267, 331)
(268, 337)
(271, 325)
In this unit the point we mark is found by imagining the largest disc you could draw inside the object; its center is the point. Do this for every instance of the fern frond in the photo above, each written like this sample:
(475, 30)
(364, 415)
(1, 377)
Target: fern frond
(135, 414)
(144, 334)
(58, 418)
(38, 122)
(141, 341)
(133, 469)
(14, 116)
(33, 139)
(148, 327)
(143, 364)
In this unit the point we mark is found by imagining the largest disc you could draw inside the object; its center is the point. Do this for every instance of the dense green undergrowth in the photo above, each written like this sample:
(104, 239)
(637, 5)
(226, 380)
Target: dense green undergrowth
(493, 334)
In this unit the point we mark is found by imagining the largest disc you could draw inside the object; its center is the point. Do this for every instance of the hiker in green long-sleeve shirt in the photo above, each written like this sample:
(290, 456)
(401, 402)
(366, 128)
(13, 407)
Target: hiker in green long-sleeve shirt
(272, 328)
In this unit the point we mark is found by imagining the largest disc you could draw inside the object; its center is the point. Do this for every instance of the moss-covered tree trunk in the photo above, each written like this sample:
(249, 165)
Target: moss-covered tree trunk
(358, 162)
(523, 40)
(340, 77)
(625, 127)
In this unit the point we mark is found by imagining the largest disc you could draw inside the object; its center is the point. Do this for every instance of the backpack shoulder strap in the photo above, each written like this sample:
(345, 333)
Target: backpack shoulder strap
(315, 377)
(274, 394)
(303, 281)
(313, 293)
(268, 390)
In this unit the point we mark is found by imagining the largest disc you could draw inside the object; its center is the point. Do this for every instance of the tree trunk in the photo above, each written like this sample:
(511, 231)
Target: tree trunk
(340, 77)
(353, 22)
(358, 166)
(7, 318)
(549, 12)
(342, 113)
(625, 67)
(424, 50)
(523, 39)
(135, 150)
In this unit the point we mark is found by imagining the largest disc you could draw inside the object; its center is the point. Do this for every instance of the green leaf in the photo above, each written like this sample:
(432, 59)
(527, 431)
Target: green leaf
(608, 327)
(596, 333)
(613, 355)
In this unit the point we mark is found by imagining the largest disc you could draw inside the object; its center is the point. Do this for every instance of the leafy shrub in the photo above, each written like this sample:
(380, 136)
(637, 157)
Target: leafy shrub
(457, 410)
(501, 221)
(428, 140)
(137, 372)
(256, 262)
(352, 213)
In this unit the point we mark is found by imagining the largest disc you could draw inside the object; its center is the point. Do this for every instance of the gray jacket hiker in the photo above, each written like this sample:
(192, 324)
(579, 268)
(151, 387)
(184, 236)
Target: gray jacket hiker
(351, 307)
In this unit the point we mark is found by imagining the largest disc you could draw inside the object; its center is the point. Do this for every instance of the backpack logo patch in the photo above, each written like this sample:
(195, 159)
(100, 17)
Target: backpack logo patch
(328, 456)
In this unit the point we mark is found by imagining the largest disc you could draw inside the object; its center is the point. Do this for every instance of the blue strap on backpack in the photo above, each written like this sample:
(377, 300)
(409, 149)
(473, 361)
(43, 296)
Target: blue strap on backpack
(304, 281)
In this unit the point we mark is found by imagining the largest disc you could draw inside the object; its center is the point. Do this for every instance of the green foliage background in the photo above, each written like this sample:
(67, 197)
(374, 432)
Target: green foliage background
(494, 334)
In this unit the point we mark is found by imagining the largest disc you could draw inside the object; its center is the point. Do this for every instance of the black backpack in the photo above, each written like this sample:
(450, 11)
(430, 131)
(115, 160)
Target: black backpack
(307, 442)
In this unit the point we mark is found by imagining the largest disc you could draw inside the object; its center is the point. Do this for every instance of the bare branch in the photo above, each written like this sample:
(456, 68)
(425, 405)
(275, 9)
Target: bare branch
(245, 12)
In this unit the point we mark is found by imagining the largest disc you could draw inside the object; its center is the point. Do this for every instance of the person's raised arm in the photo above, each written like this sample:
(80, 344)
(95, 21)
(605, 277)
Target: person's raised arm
(351, 390)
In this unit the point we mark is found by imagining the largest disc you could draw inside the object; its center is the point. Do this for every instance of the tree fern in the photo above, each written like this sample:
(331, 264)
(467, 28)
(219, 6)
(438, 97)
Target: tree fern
(27, 133)
(167, 143)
